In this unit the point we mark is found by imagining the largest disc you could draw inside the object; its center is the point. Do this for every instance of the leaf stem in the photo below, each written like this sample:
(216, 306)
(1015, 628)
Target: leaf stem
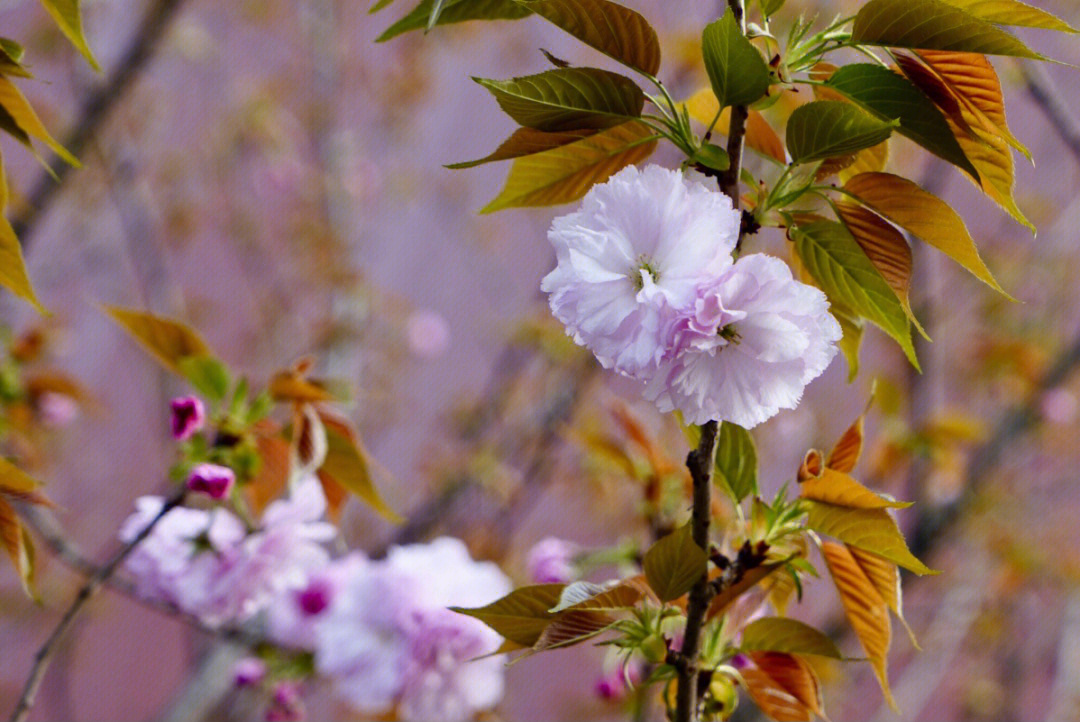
(95, 582)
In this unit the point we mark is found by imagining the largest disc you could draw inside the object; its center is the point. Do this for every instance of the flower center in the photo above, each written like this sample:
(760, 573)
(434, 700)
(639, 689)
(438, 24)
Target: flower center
(730, 334)
(644, 266)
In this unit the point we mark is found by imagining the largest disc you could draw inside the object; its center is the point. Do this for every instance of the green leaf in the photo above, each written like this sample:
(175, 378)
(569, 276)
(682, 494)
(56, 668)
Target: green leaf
(841, 268)
(870, 529)
(770, 7)
(738, 74)
(674, 564)
(933, 25)
(891, 96)
(712, 156)
(69, 19)
(167, 340)
(11, 55)
(525, 141)
(736, 461)
(616, 31)
(1012, 12)
(522, 615)
(453, 11)
(346, 463)
(568, 99)
(828, 128)
(566, 173)
(208, 375)
(780, 634)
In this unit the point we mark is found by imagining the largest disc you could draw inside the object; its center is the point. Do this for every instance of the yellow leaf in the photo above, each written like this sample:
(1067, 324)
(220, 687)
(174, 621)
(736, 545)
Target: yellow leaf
(346, 463)
(1012, 12)
(760, 136)
(866, 610)
(886, 249)
(992, 158)
(870, 529)
(290, 386)
(852, 327)
(924, 215)
(868, 160)
(16, 482)
(15, 103)
(885, 576)
(69, 19)
(836, 487)
(845, 455)
(566, 173)
(783, 686)
(168, 341)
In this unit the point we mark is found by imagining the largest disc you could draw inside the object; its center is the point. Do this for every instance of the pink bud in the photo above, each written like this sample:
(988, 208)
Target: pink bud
(551, 561)
(188, 416)
(211, 479)
(249, 671)
(315, 598)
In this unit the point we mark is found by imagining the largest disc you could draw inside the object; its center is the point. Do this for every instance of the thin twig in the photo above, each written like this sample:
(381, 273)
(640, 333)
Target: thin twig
(44, 655)
(94, 111)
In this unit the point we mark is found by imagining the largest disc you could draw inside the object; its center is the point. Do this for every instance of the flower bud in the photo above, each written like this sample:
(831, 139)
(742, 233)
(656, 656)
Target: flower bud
(551, 561)
(654, 649)
(723, 693)
(188, 416)
(214, 480)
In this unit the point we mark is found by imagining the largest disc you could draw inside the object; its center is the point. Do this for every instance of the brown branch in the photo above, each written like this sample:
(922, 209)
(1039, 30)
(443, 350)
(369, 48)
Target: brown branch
(94, 111)
(700, 461)
(48, 649)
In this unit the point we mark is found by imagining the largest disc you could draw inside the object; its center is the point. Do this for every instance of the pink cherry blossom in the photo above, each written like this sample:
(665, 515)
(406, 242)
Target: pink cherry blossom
(635, 254)
(747, 348)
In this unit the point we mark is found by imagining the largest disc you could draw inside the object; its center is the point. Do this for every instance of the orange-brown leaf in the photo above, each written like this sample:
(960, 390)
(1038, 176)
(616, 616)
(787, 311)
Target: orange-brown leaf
(974, 83)
(924, 215)
(884, 246)
(783, 685)
(866, 610)
(16, 544)
(885, 576)
(811, 467)
(934, 87)
(272, 477)
(845, 455)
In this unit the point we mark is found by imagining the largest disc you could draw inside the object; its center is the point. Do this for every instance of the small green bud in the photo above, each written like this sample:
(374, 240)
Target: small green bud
(654, 648)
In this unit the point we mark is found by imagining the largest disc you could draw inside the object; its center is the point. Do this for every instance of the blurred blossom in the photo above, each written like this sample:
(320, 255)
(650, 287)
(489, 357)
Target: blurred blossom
(612, 684)
(208, 564)
(187, 417)
(551, 561)
(214, 480)
(632, 257)
(428, 333)
(57, 410)
(285, 703)
(382, 633)
(1058, 406)
(249, 672)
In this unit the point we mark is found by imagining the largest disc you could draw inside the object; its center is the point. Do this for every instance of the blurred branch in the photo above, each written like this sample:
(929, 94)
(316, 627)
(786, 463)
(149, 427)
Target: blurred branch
(1047, 97)
(47, 530)
(94, 111)
(45, 653)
